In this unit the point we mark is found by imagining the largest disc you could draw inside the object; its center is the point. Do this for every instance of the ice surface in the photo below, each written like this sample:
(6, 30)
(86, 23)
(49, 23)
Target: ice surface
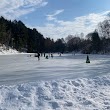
(22, 68)
(58, 83)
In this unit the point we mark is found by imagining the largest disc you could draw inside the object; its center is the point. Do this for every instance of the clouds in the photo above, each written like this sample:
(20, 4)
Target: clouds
(12, 9)
(53, 16)
(60, 28)
(53, 27)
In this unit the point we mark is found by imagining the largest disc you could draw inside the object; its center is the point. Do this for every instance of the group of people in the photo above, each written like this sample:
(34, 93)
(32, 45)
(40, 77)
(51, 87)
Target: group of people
(38, 55)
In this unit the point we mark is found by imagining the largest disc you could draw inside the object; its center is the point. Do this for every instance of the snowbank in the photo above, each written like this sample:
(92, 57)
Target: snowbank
(4, 51)
(78, 94)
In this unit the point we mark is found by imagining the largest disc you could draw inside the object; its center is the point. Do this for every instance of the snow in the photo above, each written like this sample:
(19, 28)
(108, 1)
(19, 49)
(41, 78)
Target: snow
(58, 83)
(4, 51)
(66, 94)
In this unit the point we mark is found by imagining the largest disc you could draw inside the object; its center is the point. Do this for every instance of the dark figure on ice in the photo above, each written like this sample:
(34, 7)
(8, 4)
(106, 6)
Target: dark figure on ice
(44, 54)
(46, 57)
(51, 55)
(87, 60)
(38, 55)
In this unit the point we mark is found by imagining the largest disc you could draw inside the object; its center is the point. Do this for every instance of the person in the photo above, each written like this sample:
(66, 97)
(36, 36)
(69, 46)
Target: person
(44, 54)
(38, 55)
(46, 57)
(87, 60)
(51, 55)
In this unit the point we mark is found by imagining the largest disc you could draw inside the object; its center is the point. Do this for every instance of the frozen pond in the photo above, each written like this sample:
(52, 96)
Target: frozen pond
(22, 68)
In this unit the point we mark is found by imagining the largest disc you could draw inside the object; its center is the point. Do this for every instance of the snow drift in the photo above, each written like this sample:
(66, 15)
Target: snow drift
(5, 51)
(67, 94)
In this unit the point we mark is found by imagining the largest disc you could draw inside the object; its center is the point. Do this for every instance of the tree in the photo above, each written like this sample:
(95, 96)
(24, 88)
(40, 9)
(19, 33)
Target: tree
(96, 42)
(60, 45)
(16, 35)
(73, 43)
(104, 29)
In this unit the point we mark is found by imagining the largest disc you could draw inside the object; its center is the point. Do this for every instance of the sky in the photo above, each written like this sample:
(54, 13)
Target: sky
(57, 18)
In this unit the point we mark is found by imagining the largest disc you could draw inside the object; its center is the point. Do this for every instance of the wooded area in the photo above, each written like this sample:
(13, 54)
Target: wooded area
(16, 35)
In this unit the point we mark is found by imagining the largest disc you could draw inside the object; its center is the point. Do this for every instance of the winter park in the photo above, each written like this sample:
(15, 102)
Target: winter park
(55, 55)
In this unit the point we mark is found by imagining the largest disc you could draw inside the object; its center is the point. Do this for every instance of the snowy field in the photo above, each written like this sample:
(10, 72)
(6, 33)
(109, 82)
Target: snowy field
(58, 83)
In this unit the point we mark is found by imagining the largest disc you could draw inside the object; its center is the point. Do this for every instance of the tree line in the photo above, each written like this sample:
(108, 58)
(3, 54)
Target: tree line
(16, 35)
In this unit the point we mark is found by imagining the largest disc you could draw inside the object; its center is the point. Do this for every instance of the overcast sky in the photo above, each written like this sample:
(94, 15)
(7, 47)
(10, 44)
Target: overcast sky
(57, 18)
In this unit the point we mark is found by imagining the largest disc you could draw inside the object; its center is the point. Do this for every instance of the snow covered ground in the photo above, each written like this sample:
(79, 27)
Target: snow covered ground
(77, 94)
(58, 83)
(4, 51)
